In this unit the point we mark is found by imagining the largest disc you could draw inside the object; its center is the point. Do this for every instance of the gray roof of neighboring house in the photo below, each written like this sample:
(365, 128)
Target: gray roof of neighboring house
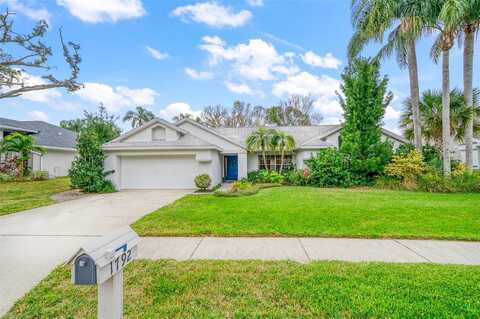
(46, 134)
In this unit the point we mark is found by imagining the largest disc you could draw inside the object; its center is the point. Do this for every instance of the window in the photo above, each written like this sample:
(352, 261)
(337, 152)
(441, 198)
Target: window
(274, 162)
(158, 134)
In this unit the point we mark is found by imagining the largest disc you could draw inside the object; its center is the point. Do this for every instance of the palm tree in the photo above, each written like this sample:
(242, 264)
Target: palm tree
(283, 142)
(261, 141)
(371, 19)
(22, 144)
(138, 117)
(444, 19)
(431, 116)
(470, 18)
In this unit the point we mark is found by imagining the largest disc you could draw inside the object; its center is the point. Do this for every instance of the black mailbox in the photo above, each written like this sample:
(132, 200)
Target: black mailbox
(85, 271)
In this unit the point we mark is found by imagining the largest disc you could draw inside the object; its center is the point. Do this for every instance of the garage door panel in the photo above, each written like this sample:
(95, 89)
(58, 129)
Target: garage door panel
(158, 172)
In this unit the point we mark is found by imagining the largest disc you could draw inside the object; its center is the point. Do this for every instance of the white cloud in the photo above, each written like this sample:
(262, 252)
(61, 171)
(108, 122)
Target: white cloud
(38, 116)
(238, 88)
(94, 11)
(198, 75)
(306, 83)
(176, 108)
(255, 3)
(116, 98)
(392, 114)
(157, 55)
(32, 13)
(322, 88)
(255, 60)
(213, 14)
(328, 61)
(42, 96)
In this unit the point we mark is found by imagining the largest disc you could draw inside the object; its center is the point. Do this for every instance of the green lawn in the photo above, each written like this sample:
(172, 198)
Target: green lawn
(18, 196)
(305, 211)
(254, 289)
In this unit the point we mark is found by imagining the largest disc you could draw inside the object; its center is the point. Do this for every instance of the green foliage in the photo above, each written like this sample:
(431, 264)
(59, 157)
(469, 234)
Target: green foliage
(39, 175)
(265, 176)
(138, 117)
(435, 182)
(22, 144)
(330, 168)
(203, 181)
(102, 123)
(241, 185)
(261, 141)
(87, 172)
(296, 177)
(364, 100)
(406, 168)
(6, 177)
(431, 116)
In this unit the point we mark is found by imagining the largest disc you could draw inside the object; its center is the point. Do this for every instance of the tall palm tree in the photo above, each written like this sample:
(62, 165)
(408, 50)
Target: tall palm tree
(372, 19)
(431, 116)
(283, 142)
(261, 141)
(138, 117)
(470, 18)
(444, 18)
(22, 144)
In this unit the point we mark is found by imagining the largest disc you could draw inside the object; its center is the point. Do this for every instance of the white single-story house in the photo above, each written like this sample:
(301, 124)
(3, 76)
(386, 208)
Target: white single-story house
(59, 144)
(161, 154)
(459, 153)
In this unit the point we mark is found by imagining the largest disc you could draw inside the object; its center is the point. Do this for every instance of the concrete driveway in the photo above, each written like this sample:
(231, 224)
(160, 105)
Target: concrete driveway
(33, 242)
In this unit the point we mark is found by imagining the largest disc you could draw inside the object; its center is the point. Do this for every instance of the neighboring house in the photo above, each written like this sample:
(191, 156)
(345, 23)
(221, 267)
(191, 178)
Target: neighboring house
(459, 153)
(59, 144)
(160, 154)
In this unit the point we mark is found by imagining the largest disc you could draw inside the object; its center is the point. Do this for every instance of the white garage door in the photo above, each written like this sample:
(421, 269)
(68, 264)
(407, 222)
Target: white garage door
(158, 172)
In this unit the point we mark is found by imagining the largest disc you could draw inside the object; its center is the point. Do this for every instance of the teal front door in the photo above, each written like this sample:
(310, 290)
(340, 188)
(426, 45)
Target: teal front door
(231, 167)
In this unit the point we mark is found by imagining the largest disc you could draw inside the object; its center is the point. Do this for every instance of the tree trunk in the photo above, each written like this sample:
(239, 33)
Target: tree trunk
(468, 91)
(446, 111)
(414, 94)
(264, 160)
(281, 160)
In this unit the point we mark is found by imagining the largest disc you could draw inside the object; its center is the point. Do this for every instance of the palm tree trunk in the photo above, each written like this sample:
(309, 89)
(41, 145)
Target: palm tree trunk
(264, 160)
(414, 93)
(468, 91)
(446, 111)
(281, 160)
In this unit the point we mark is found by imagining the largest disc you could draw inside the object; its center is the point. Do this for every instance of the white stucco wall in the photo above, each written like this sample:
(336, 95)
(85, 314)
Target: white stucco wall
(56, 162)
(252, 164)
(147, 135)
(162, 169)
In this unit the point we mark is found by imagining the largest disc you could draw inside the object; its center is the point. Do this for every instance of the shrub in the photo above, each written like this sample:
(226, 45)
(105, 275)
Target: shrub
(296, 177)
(39, 175)
(87, 172)
(241, 185)
(329, 168)
(6, 177)
(203, 181)
(466, 182)
(265, 176)
(10, 167)
(434, 182)
(407, 168)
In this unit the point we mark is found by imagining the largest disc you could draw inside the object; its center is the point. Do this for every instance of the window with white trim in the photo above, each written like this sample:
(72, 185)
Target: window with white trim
(273, 162)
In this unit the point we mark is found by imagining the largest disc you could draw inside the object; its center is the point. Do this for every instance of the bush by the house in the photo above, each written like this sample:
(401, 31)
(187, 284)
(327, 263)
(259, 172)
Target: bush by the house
(6, 177)
(39, 175)
(407, 168)
(437, 183)
(265, 176)
(297, 177)
(329, 168)
(87, 172)
(203, 181)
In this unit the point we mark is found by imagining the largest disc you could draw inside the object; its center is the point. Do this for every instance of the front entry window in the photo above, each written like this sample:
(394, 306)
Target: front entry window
(273, 162)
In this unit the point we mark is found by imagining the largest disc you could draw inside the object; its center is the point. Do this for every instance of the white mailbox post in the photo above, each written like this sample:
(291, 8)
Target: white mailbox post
(101, 262)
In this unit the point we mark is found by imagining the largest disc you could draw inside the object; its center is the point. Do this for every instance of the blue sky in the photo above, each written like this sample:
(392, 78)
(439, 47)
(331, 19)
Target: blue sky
(179, 56)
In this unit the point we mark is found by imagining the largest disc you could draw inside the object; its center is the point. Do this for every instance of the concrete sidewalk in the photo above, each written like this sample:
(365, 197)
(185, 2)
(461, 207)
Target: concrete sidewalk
(310, 249)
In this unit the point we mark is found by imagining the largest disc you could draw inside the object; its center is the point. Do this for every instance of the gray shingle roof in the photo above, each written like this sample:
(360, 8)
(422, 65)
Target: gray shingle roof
(301, 134)
(46, 134)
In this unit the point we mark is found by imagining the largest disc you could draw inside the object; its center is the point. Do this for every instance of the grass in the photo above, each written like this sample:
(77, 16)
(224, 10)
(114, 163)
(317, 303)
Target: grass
(254, 289)
(18, 196)
(306, 211)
